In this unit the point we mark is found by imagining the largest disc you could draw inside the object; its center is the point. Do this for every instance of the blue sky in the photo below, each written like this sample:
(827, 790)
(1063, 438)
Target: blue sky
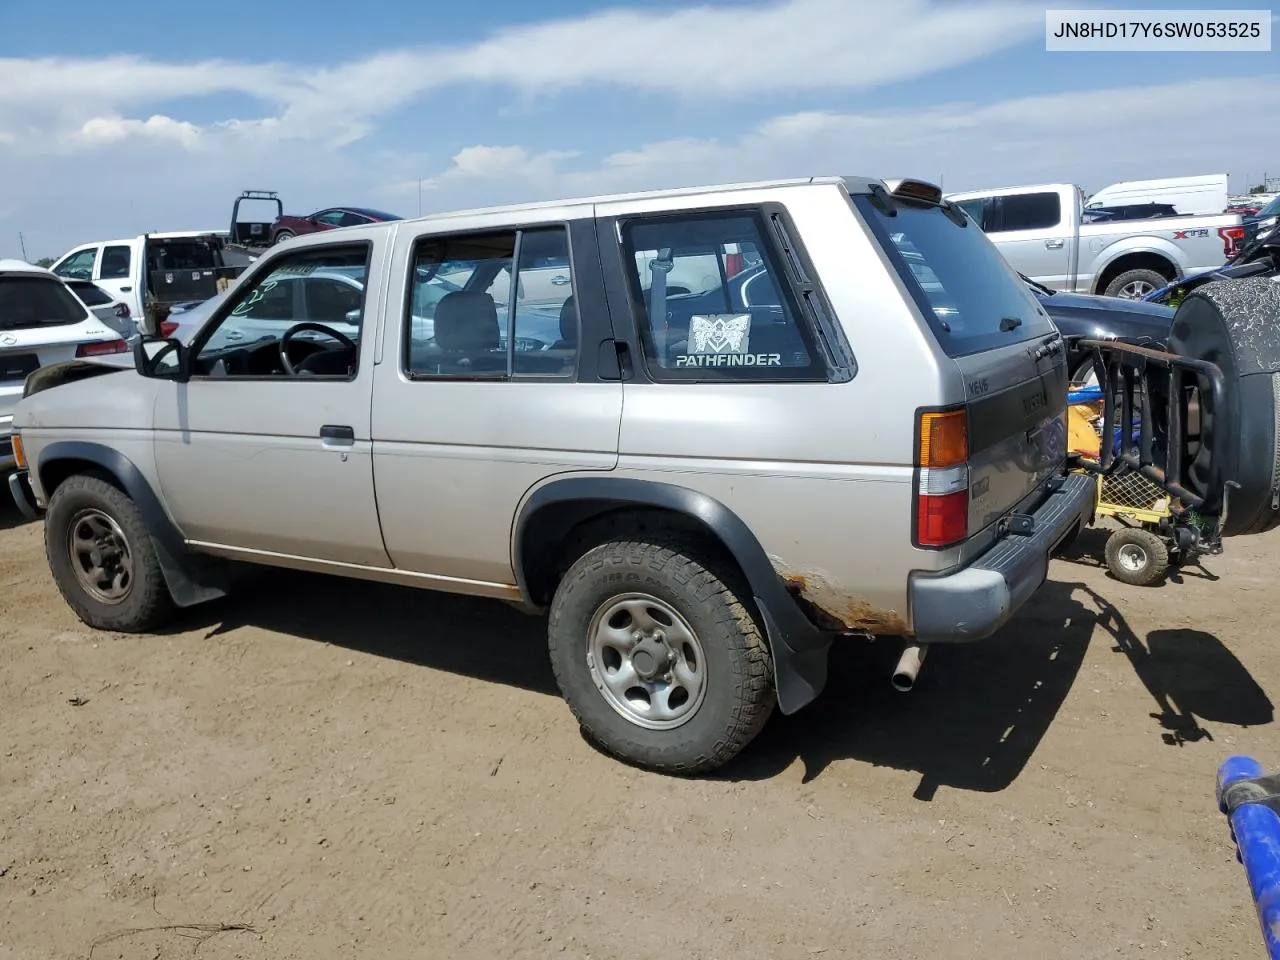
(152, 119)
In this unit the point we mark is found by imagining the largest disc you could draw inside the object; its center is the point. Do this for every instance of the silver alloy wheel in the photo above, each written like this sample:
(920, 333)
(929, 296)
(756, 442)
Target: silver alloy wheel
(1135, 290)
(646, 661)
(100, 556)
(1132, 557)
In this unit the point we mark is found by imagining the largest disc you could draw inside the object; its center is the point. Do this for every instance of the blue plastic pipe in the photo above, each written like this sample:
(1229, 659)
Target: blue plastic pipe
(1251, 803)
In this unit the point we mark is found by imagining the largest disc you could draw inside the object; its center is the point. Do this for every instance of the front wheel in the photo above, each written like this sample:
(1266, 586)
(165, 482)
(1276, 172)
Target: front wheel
(284, 235)
(658, 657)
(102, 558)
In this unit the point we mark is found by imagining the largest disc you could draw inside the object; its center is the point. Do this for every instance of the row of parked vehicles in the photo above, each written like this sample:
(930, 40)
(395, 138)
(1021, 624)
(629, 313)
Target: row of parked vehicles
(707, 432)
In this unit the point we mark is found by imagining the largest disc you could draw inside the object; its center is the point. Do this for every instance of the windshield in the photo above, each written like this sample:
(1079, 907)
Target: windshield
(1272, 209)
(971, 297)
(27, 302)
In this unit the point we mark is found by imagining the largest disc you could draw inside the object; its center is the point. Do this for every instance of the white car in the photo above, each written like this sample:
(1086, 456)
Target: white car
(41, 322)
(114, 313)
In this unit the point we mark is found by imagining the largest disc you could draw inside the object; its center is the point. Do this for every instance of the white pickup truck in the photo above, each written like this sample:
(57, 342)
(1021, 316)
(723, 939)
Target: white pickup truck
(1040, 233)
(163, 268)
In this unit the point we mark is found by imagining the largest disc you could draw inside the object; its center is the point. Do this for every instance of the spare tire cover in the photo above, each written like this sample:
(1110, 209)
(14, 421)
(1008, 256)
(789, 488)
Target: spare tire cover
(1236, 325)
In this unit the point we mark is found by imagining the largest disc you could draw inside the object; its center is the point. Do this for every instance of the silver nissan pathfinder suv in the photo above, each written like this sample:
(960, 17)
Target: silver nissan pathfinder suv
(857, 428)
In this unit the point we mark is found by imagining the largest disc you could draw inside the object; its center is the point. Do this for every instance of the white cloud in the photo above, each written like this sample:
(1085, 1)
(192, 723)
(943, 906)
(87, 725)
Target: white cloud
(105, 130)
(746, 52)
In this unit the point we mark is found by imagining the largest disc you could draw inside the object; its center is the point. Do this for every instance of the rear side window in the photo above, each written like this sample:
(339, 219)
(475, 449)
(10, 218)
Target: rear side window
(467, 318)
(115, 263)
(970, 296)
(28, 302)
(91, 294)
(1029, 211)
(732, 315)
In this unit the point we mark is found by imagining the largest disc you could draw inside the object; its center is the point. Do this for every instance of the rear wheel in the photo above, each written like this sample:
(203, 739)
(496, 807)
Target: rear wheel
(102, 558)
(1137, 556)
(658, 657)
(1135, 284)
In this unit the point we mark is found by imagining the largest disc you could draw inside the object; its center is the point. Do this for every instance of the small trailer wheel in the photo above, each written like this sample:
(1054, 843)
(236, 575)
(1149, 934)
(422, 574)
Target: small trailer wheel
(1137, 557)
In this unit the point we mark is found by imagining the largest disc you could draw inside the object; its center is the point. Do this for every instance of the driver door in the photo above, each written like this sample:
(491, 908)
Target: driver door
(263, 464)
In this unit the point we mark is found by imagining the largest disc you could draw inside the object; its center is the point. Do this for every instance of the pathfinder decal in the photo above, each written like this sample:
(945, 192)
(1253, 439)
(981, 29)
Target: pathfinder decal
(723, 340)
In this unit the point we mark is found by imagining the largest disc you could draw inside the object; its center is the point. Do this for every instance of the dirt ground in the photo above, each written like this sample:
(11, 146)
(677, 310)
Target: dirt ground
(317, 769)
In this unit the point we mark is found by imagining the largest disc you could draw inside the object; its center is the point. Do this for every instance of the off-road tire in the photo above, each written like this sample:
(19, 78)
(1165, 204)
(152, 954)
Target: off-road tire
(1152, 277)
(148, 603)
(739, 696)
(1156, 564)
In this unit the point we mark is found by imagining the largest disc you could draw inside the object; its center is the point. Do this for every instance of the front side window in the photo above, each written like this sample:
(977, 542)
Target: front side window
(464, 321)
(115, 263)
(301, 318)
(79, 265)
(976, 209)
(738, 323)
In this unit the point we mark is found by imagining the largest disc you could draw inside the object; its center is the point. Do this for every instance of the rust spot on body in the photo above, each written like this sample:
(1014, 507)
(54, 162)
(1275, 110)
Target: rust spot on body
(831, 609)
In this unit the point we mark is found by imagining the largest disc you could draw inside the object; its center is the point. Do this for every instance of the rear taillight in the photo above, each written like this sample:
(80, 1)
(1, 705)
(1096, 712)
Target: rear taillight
(734, 264)
(1231, 237)
(168, 328)
(942, 478)
(101, 348)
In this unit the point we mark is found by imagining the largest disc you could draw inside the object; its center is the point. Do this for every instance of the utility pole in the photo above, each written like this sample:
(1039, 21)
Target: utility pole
(23, 244)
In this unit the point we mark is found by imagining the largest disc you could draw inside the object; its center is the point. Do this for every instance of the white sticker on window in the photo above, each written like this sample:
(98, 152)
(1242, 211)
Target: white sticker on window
(723, 340)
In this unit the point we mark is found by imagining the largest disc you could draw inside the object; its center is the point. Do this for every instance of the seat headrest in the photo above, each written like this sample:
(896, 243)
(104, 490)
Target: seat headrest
(569, 320)
(467, 321)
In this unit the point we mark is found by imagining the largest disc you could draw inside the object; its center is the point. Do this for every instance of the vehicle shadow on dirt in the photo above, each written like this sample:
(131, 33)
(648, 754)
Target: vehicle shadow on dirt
(973, 722)
(978, 712)
(10, 518)
(472, 637)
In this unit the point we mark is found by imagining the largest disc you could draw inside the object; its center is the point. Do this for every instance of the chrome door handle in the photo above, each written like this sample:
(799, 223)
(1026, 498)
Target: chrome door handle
(1054, 244)
(560, 281)
(332, 435)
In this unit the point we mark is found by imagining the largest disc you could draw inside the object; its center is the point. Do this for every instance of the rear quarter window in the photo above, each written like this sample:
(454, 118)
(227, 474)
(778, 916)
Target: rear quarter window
(969, 295)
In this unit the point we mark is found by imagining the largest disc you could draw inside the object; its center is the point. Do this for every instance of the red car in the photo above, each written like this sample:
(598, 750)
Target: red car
(287, 226)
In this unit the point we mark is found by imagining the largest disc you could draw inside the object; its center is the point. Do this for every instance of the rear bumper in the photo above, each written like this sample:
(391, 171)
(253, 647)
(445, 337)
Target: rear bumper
(974, 602)
(20, 490)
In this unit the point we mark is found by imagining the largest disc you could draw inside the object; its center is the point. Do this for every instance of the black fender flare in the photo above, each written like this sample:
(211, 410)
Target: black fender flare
(191, 579)
(799, 648)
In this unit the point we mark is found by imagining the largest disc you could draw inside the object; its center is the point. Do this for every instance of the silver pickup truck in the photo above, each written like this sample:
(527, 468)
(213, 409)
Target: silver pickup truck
(1040, 231)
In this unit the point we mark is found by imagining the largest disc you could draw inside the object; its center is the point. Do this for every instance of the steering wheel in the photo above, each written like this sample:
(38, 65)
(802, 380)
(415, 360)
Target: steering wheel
(317, 328)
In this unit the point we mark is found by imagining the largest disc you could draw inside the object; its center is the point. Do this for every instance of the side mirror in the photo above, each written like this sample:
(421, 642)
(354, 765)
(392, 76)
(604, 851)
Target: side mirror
(160, 358)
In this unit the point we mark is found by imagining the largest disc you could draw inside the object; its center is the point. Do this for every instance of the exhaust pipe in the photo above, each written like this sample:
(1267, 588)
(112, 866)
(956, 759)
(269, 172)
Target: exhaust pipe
(904, 674)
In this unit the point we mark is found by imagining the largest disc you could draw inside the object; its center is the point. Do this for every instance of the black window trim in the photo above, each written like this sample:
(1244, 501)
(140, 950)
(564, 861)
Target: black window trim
(509, 376)
(785, 258)
(263, 269)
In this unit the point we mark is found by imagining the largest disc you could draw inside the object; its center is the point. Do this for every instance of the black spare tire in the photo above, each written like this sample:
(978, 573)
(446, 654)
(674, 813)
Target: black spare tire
(1235, 324)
